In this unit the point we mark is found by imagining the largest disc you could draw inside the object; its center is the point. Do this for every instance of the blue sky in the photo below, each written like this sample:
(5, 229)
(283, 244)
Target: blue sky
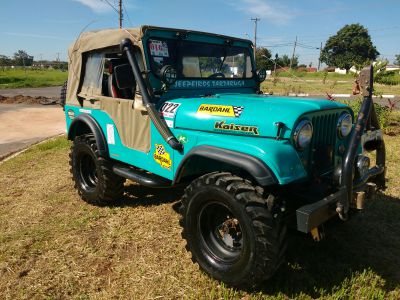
(46, 27)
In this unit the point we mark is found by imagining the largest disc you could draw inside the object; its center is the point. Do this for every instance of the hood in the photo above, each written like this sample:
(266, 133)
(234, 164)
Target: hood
(245, 114)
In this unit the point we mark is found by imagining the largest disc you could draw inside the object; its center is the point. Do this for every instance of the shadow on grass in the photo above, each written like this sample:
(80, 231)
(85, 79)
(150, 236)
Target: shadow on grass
(138, 195)
(368, 241)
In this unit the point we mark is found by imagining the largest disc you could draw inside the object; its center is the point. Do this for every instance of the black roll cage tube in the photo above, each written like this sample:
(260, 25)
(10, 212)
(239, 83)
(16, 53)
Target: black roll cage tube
(126, 47)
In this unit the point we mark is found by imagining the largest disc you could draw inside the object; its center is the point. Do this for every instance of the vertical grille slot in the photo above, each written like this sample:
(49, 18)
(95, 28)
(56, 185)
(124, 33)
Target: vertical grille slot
(323, 143)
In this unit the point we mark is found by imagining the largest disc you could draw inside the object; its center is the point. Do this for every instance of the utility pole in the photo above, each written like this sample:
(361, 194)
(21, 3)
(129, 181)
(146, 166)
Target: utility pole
(120, 13)
(58, 56)
(294, 51)
(255, 35)
(319, 60)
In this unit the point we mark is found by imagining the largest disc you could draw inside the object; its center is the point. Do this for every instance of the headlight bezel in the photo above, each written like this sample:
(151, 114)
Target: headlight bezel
(298, 130)
(342, 118)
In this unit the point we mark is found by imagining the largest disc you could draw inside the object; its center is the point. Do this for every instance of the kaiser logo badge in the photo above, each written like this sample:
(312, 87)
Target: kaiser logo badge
(162, 157)
(246, 129)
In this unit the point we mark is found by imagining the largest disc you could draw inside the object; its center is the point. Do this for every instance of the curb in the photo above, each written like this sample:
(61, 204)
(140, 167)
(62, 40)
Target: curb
(13, 154)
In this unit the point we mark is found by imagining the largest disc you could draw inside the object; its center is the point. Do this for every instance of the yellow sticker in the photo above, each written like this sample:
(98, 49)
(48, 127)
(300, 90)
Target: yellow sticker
(221, 110)
(161, 156)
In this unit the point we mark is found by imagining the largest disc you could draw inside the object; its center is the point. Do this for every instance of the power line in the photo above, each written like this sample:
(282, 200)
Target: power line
(112, 6)
(126, 12)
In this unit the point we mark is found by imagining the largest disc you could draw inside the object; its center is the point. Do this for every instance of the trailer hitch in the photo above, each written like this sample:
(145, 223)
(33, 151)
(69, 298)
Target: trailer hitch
(366, 120)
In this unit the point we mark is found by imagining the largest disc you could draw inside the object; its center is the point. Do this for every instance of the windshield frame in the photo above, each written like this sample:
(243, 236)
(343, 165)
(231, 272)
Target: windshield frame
(233, 43)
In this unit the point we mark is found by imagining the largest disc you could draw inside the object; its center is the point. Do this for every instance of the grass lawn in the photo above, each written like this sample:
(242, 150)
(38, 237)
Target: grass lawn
(17, 78)
(53, 245)
(313, 83)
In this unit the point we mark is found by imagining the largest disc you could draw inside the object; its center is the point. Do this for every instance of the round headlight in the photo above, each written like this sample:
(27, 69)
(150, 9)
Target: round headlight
(345, 124)
(302, 134)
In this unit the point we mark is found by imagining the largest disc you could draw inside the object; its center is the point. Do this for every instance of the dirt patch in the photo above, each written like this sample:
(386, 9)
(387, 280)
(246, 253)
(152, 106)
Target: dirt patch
(21, 99)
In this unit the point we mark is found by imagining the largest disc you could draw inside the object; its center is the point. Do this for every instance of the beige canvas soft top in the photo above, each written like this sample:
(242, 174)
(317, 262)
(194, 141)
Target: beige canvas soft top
(105, 38)
(89, 41)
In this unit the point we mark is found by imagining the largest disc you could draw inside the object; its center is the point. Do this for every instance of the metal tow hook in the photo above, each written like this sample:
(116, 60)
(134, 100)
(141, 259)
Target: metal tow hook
(340, 210)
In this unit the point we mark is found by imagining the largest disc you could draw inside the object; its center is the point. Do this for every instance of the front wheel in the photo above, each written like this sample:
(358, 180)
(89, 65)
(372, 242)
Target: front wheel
(93, 176)
(230, 231)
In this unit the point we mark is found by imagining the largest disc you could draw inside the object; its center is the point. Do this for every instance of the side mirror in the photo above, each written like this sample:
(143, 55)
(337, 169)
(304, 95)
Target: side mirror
(124, 76)
(168, 75)
(261, 74)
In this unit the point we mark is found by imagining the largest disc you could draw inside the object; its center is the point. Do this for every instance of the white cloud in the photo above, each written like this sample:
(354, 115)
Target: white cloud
(265, 9)
(98, 6)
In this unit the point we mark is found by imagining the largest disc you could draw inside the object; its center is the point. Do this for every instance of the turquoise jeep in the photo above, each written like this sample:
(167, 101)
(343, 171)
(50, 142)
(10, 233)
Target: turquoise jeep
(169, 107)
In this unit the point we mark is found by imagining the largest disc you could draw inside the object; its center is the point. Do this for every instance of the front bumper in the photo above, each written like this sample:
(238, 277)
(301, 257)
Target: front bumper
(313, 215)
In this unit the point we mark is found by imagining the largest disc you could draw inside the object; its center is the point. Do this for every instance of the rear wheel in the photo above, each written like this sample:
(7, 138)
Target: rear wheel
(230, 231)
(93, 176)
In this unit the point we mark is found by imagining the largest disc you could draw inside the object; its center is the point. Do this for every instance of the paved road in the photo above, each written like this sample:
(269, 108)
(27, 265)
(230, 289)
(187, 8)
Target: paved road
(23, 125)
(49, 92)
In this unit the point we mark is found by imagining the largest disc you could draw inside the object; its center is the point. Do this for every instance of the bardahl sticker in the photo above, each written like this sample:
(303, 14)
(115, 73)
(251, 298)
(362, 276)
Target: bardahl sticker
(247, 129)
(221, 110)
(162, 157)
(169, 109)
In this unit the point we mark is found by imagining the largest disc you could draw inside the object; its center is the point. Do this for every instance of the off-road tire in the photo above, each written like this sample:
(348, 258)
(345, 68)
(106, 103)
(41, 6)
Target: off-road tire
(92, 174)
(263, 234)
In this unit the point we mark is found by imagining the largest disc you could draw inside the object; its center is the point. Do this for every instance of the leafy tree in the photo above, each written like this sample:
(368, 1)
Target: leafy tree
(351, 45)
(21, 58)
(5, 60)
(263, 59)
(284, 61)
(397, 60)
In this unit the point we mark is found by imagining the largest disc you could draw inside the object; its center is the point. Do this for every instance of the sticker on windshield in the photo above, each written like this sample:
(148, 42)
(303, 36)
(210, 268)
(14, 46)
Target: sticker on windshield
(158, 48)
(169, 109)
(158, 60)
(221, 110)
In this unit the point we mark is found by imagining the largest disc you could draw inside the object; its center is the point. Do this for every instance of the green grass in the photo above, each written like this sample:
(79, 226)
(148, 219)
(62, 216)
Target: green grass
(334, 84)
(53, 245)
(18, 78)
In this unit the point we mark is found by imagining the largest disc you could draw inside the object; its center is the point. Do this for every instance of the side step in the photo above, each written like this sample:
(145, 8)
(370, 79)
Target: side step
(142, 177)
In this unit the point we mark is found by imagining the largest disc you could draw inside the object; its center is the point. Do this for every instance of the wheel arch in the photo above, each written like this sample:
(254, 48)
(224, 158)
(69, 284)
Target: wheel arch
(253, 166)
(85, 123)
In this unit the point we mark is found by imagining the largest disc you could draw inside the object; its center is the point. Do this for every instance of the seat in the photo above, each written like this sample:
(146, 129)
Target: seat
(113, 89)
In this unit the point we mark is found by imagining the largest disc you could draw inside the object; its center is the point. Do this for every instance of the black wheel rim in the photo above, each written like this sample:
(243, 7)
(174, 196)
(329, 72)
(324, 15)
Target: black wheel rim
(220, 232)
(87, 171)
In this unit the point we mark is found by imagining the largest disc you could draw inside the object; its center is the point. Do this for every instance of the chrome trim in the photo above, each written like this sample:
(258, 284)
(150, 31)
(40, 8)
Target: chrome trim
(299, 127)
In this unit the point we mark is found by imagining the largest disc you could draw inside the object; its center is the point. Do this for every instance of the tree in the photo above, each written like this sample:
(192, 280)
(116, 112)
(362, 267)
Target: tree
(263, 59)
(397, 60)
(284, 61)
(5, 61)
(21, 58)
(351, 45)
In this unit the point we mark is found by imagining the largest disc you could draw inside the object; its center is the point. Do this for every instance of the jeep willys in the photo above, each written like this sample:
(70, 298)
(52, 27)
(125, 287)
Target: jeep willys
(167, 107)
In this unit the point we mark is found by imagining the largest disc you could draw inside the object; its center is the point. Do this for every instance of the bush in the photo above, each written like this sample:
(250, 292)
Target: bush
(382, 112)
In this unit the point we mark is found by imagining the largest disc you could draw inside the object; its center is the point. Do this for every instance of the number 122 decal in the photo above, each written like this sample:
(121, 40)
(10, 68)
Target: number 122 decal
(169, 109)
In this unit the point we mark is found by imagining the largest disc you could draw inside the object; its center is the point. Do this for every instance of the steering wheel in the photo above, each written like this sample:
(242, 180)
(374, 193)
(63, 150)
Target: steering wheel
(217, 75)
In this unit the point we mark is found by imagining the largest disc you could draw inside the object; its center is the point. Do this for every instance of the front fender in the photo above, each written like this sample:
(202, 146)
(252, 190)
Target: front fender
(278, 156)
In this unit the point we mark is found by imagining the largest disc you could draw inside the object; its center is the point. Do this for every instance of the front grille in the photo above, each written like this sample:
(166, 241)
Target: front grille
(323, 142)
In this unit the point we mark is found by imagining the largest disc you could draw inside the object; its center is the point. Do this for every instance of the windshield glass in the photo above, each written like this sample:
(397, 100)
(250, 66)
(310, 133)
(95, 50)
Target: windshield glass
(200, 60)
